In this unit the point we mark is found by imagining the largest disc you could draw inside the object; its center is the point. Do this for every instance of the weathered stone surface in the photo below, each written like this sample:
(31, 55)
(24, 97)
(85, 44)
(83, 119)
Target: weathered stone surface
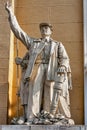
(42, 127)
(56, 127)
(15, 127)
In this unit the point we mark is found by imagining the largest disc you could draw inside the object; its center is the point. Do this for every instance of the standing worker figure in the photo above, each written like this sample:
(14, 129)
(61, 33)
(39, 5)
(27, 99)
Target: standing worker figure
(48, 62)
(23, 91)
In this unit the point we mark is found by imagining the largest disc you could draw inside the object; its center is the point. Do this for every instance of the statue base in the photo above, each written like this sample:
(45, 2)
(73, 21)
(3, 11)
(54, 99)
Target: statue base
(42, 127)
(44, 118)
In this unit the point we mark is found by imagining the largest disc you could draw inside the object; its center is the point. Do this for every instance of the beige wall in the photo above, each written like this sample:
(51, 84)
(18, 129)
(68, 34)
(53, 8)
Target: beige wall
(66, 18)
(4, 61)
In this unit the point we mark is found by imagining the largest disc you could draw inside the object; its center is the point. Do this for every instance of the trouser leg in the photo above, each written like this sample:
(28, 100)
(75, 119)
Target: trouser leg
(35, 92)
(47, 95)
(38, 89)
(59, 104)
(25, 112)
(55, 99)
(30, 103)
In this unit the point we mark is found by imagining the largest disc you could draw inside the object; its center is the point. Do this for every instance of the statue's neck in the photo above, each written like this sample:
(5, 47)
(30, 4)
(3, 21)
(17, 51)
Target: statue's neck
(47, 38)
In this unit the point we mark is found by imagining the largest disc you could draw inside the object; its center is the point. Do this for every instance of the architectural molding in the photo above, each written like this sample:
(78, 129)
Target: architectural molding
(85, 58)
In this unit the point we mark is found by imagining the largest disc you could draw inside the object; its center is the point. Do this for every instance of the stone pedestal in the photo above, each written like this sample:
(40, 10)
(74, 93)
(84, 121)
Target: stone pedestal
(42, 127)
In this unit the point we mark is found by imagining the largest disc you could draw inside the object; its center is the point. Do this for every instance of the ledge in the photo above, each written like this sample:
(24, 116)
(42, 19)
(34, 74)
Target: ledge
(42, 127)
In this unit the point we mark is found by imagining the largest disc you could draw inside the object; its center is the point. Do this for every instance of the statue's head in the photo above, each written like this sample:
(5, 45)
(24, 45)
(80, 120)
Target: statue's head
(45, 29)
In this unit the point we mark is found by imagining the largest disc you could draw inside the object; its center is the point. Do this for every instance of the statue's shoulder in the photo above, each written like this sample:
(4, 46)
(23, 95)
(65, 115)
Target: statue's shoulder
(37, 40)
(57, 42)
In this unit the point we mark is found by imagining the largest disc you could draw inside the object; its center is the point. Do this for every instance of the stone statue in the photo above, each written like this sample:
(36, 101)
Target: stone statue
(23, 90)
(46, 63)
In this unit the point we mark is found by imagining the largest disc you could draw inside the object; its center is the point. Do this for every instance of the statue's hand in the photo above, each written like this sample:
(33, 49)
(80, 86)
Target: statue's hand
(18, 60)
(70, 87)
(61, 69)
(8, 7)
(26, 81)
(18, 93)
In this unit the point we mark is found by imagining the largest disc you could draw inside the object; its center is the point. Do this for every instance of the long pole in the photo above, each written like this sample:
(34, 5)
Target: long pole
(17, 78)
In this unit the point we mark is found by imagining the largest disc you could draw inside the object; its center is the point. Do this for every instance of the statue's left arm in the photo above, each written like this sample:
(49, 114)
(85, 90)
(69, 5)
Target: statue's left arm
(63, 63)
(63, 59)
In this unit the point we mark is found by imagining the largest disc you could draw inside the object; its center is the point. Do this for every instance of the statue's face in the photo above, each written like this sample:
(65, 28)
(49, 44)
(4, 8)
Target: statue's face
(45, 31)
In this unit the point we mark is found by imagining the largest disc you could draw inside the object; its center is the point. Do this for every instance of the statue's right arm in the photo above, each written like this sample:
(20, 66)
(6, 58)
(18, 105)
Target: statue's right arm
(15, 27)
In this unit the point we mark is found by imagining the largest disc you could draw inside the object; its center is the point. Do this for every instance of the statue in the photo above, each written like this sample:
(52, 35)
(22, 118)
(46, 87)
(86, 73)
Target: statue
(23, 91)
(46, 61)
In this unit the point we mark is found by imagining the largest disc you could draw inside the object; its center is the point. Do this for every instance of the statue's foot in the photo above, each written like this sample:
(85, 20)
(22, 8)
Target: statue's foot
(21, 121)
(14, 121)
(29, 121)
(60, 116)
(18, 120)
(71, 122)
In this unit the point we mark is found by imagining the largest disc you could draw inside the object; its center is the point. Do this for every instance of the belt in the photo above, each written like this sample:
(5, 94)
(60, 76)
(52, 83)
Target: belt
(43, 61)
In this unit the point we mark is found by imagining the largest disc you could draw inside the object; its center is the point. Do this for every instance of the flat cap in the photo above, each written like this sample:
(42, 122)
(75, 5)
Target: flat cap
(45, 24)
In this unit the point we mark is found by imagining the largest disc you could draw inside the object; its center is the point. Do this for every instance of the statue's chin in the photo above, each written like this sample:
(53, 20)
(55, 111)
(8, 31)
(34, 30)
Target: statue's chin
(46, 35)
